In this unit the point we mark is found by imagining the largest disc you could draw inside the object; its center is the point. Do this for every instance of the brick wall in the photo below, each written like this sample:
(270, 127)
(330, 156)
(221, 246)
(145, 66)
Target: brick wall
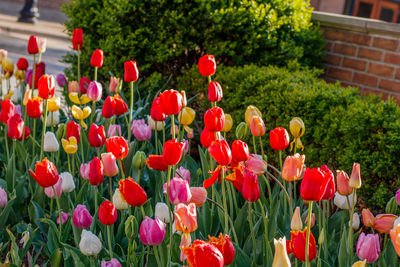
(365, 58)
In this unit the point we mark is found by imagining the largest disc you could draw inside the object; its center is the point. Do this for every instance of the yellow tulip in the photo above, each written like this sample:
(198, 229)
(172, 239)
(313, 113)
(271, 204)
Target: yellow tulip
(251, 111)
(53, 104)
(9, 95)
(71, 145)
(26, 96)
(189, 131)
(228, 123)
(281, 258)
(8, 65)
(360, 264)
(81, 114)
(296, 224)
(297, 129)
(186, 116)
(74, 97)
(183, 93)
(20, 75)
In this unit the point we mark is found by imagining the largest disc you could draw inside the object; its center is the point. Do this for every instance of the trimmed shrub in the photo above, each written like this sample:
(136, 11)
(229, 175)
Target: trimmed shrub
(342, 127)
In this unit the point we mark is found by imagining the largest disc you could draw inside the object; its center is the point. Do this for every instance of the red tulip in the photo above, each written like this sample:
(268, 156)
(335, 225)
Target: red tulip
(97, 135)
(15, 127)
(314, 184)
(330, 189)
(97, 58)
(207, 137)
(73, 129)
(202, 253)
(156, 112)
(84, 84)
(214, 92)
(131, 71)
(221, 152)
(120, 106)
(157, 162)
(108, 213)
(96, 172)
(27, 133)
(77, 39)
(240, 151)
(297, 245)
(132, 192)
(214, 119)
(46, 86)
(108, 107)
(45, 174)
(7, 110)
(207, 65)
(33, 46)
(22, 63)
(279, 138)
(250, 189)
(34, 107)
(171, 102)
(225, 246)
(118, 146)
(172, 152)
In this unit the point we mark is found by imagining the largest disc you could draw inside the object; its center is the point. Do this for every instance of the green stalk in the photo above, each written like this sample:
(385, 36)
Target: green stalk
(265, 220)
(138, 179)
(109, 241)
(350, 241)
(95, 73)
(81, 142)
(51, 122)
(122, 169)
(173, 126)
(155, 137)
(252, 231)
(79, 64)
(6, 142)
(59, 211)
(33, 74)
(95, 199)
(284, 191)
(44, 127)
(34, 137)
(163, 134)
(170, 216)
(157, 256)
(261, 145)
(308, 233)
(325, 216)
(111, 191)
(130, 112)
(224, 200)
(254, 145)
(25, 123)
(13, 167)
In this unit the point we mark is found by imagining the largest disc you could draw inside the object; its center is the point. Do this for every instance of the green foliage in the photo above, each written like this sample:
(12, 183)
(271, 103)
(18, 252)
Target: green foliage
(342, 127)
(169, 36)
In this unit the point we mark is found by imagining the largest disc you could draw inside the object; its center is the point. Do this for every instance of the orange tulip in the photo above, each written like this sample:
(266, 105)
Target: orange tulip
(395, 236)
(257, 126)
(343, 186)
(368, 218)
(293, 167)
(185, 218)
(384, 223)
(355, 177)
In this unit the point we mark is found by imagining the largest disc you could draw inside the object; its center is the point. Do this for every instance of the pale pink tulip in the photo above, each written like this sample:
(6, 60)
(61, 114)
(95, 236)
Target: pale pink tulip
(58, 186)
(109, 164)
(368, 247)
(141, 130)
(293, 167)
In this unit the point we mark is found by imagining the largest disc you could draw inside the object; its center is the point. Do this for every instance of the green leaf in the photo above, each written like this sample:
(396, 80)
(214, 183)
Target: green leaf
(343, 257)
(56, 258)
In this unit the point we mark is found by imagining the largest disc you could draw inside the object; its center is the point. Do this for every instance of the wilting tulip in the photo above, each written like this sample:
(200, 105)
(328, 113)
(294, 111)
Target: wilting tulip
(73, 129)
(251, 111)
(172, 152)
(156, 111)
(355, 177)
(61, 80)
(107, 213)
(34, 107)
(152, 232)
(297, 129)
(19, 75)
(179, 191)
(96, 136)
(343, 186)
(82, 100)
(281, 258)
(256, 164)
(114, 82)
(97, 58)
(207, 65)
(131, 73)
(368, 218)
(251, 189)
(207, 137)
(257, 126)
(96, 172)
(33, 46)
(297, 245)
(395, 236)
(214, 92)
(15, 127)
(46, 86)
(8, 66)
(171, 102)
(73, 87)
(186, 218)
(114, 130)
(64, 218)
(186, 116)
(384, 223)
(368, 247)
(296, 224)
(225, 246)
(45, 174)
(7, 110)
(132, 192)
(117, 200)
(118, 146)
(53, 104)
(199, 196)
(109, 164)
(77, 39)
(120, 106)
(314, 184)
(3, 198)
(240, 151)
(90, 244)
(81, 217)
(292, 169)
(342, 202)
(141, 130)
(111, 263)
(279, 139)
(190, 132)
(214, 119)
(221, 152)
(227, 123)
(68, 184)
(70, 146)
(58, 187)
(22, 63)
(202, 253)
(94, 91)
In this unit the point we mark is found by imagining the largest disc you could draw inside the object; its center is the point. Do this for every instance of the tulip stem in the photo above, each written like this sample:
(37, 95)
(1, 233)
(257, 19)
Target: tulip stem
(79, 64)
(157, 256)
(156, 137)
(261, 145)
(33, 74)
(44, 127)
(173, 125)
(252, 231)
(284, 190)
(224, 200)
(325, 216)
(109, 241)
(51, 121)
(95, 74)
(6, 142)
(265, 220)
(163, 134)
(59, 212)
(170, 216)
(111, 190)
(130, 112)
(92, 113)
(254, 145)
(95, 199)
(308, 232)
(122, 169)
(138, 179)
(81, 141)
(13, 166)
(350, 241)
(23, 132)
(34, 138)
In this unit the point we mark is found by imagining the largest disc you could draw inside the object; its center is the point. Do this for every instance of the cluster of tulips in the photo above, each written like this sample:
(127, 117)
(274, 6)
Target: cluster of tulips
(150, 179)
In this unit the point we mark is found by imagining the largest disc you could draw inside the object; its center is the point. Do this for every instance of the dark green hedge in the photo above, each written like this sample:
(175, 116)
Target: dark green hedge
(342, 127)
(168, 36)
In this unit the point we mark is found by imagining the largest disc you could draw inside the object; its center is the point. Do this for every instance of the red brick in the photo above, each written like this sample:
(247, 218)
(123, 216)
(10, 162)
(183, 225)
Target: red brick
(390, 85)
(344, 84)
(328, 46)
(389, 44)
(392, 58)
(397, 75)
(345, 49)
(368, 91)
(333, 59)
(361, 39)
(335, 35)
(362, 78)
(381, 70)
(339, 74)
(369, 53)
(354, 63)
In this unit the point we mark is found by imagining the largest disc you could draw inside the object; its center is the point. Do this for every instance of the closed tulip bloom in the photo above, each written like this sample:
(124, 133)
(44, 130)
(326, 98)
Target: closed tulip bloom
(227, 123)
(257, 126)
(297, 129)
(131, 73)
(95, 91)
(251, 111)
(120, 106)
(292, 169)
(207, 137)
(199, 196)
(314, 184)
(183, 173)
(22, 63)
(70, 146)
(312, 220)
(34, 107)
(15, 127)
(114, 82)
(221, 152)
(19, 75)
(240, 151)
(109, 164)
(296, 224)
(141, 130)
(97, 58)
(395, 236)
(368, 218)
(297, 245)
(356, 221)
(90, 244)
(58, 187)
(117, 200)
(33, 46)
(214, 92)
(3, 54)
(8, 66)
(61, 80)
(118, 146)
(152, 123)
(161, 211)
(256, 164)
(108, 107)
(343, 186)
(172, 152)
(111, 263)
(3, 198)
(398, 197)
(139, 160)
(152, 232)
(330, 189)
(186, 218)
(7, 110)
(77, 39)
(42, 45)
(202, 253)
(45, 174)
(53, 104)
(96, 172)
(46, 86)
(171, 102)
(281, 259)
(214, 119)
(279, 138)
(81, 217)
(368, 247)
(186, 116)
(114, 130)
(107, 213)
(179, 191)
(84, 84)
(84, 170)
(251, 189)
(97, 136)
(64, 218)
(132, 192)
(156, 111)
(355, 177)
(73, 87)
(73, 129)
(207, 65)
(342, 202)
(384, 223)
(68, 184)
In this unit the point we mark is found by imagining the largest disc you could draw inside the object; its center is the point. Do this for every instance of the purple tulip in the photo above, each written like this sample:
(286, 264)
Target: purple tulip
(17, 109)
(3, 198)
(368, 247)
(112, 263)
(64, 218)
(179, 191)
(114, 130)
(398, 197)
(141, 130)
(94, 91)
(184, 173)
(50, 192)
(81, 217)
(28, 76)
(152, 232)
(61, 80)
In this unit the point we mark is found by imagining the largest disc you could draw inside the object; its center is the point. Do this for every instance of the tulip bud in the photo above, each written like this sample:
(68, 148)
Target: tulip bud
(161, 211)
(199, 196)
(139, 160)
(61, 131)
(117, 200)
(111, 263)
(141, 130)
(281, 258)
(42, 45)
(97, 58)
(90, 244)
(242, 130)
(95, 91)
(207, 65)
(61, 80)
(368, 218)
(3, 54)
(179, 191)
(114, 82)
(50, 142)
(398, 197)
(343, 186)
(183, 173)
(293, 167)
(251, 189)
(296, 223)
(110, 164)
(321, 237)
(251, 111)
(356, 221)
(73, 87)
(114, 130)
(68, 184)
(186, 116)
(228, 123)
(214, 92)
(344, 202)
(368, 247)
(312, 220)
(3, 198)
(153, 123)
(131, 227)
(355, 178)
(64, 218)
(183, 93)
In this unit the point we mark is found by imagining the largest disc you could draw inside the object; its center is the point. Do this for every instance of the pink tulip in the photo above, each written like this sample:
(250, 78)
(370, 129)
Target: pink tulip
(292, 169)
(17, 109)
(141, 130)
(183, 173)
(312, 220)
(64, 218)
(3, 198)
(256, 164)
(343, 186)
(114, 130)
(50, 192)
(109, 164)
(176, 130)
(112, 263)
(179, 191)
(368, 218)
(384, 223)
(81, 217)
(152, 232)
(368, 247)
(73, 87)
(398, 197)
(113, 84)
(355, 177)
(84, 170)
(94, 91)
(186, 143)
(199, 196)
(186, 240)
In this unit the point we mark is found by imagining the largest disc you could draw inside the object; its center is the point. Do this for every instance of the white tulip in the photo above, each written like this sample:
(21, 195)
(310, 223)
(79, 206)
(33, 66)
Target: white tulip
(117, 200)
(50, 142)
(56, 118)
(162, 212)
(341, 201)
(356, 221)
(68, 184)
(90, 244)
(152, 123)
